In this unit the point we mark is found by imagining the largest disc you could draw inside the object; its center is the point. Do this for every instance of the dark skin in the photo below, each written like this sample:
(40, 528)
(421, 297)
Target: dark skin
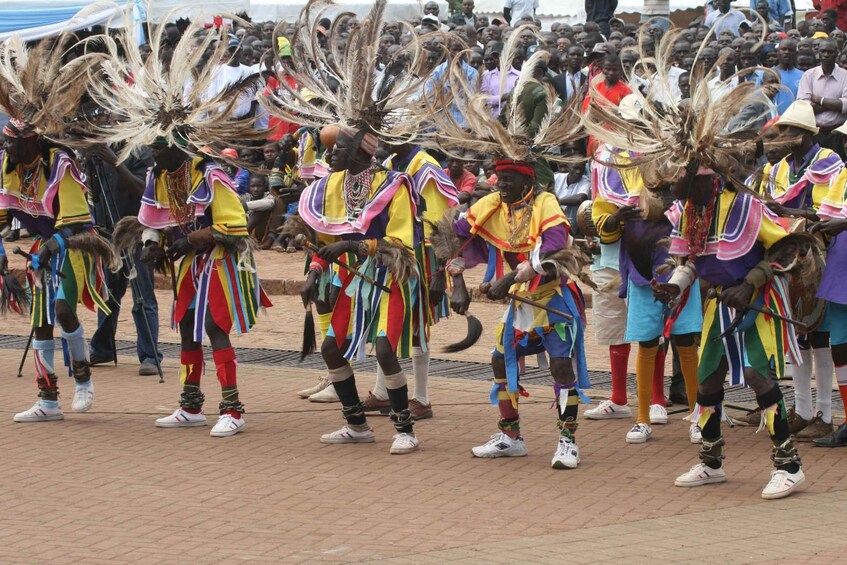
(802, 145)
(828, 53)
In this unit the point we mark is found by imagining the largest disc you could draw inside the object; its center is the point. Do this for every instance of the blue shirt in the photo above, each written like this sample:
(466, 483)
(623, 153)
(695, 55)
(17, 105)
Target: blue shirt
(790, 80)
(776, 8)
(438, 75)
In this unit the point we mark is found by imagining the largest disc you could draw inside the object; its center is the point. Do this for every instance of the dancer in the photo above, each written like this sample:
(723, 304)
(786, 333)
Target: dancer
(522, 235)
(43, 189)
(720, 234)
(363, 215)
(436, 194)
(833, 211)
(800, 182)
(191, 221)
(626, 210)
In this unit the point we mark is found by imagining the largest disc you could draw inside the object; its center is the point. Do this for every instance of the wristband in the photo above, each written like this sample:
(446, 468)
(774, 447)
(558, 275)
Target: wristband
(524, 272)
(683, 277)
(455, 266)
(150, 235)
(317, 267)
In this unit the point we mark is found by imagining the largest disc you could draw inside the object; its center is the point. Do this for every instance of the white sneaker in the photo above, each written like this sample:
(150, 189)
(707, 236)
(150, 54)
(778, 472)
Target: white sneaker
(608, 410)
(782, 484)
(349, 435)
(695, 434)
(639, 433)
(501, 445)
(325, 395)
(227, 426)
(404, 443)
(40, 413)
(567, 454)
(83, 396)
(658, 414)
(323, 382)
(181, 419)
(700, 474)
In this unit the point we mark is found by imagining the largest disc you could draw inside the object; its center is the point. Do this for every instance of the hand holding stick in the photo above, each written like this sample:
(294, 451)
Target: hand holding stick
(314, 248)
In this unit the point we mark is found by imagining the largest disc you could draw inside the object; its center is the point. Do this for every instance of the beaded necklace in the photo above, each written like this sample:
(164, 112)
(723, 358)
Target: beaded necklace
(698, 221)
(519, 227)
(357, 190)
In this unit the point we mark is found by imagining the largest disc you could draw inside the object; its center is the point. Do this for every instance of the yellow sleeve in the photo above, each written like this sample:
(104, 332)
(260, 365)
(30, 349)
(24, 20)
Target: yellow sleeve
(228, 216)
(401, 221)
(73, 203)
(600, 211)
(770, 232)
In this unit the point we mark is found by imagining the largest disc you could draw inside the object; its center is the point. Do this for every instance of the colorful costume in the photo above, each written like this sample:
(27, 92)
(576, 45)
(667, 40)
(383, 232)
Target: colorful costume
(435, 193)
(725, 241)
(807, 186)
(647, 319)
(216, 281)
(364, 312)
(505, 237)
(49, 199)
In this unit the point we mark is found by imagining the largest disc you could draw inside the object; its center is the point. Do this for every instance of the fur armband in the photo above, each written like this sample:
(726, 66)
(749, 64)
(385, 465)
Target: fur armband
(200, 238)
(683, 276)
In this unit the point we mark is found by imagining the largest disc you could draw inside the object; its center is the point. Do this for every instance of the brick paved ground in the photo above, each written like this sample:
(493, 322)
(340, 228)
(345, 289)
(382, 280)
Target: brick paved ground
(108, 487)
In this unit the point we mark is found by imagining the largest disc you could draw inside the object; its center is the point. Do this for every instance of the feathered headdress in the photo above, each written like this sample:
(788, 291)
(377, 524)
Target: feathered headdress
(665, 135)
(181, 103)
(38, 87)
(342, 84)
(511, 136)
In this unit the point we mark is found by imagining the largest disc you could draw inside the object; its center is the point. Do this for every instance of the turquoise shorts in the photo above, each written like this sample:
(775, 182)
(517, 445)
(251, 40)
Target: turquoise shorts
(645, 316)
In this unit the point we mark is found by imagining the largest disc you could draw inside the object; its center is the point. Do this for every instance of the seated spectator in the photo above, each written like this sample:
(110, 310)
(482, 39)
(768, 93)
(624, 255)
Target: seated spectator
(464, 180)
(572, 187)
(241, 177)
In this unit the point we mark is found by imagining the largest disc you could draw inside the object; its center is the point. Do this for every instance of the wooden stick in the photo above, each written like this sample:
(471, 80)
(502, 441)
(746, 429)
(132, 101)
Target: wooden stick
(717, 295)
(517, 298)
(314, 248)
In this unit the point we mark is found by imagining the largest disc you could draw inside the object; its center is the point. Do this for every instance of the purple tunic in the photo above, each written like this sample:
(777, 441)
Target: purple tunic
(832, 287)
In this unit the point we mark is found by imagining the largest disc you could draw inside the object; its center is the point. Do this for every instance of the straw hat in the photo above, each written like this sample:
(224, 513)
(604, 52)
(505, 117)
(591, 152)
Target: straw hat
(799, 115)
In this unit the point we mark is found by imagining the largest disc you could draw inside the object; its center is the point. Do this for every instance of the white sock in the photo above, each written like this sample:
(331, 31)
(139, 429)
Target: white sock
(420, 366)
(379, 386)
(802, 376)
(823, 383)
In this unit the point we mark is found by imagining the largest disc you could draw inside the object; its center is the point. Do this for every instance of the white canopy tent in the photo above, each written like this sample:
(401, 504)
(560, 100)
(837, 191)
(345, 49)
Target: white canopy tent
(288, 10)
(572, 11)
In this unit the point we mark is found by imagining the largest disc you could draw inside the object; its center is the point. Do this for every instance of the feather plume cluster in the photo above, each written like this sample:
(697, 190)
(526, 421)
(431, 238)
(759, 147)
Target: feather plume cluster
(97, 246)
(719, 130)
(38, 86)
(396, 258)
(443, 238)
(180, 101)
(571, 262)
(343, 82)
(508, 136)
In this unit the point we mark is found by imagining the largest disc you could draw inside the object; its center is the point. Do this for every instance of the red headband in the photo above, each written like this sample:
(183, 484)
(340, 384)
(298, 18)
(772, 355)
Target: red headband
(521, 167)
(18, 129)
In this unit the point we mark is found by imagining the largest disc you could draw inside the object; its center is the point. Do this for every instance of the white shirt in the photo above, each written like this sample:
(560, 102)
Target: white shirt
(521, 8)
(226, 76)
(718, 88)
(658, 90)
